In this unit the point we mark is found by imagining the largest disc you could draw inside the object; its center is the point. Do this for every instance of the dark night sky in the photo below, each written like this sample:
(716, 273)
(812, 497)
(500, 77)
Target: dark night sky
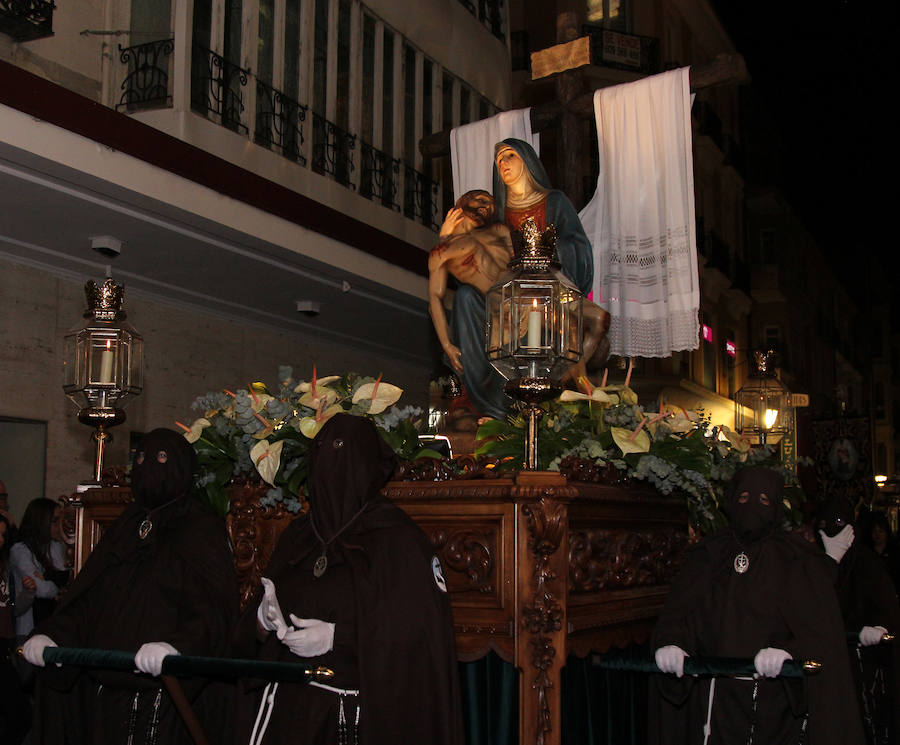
(826, 72)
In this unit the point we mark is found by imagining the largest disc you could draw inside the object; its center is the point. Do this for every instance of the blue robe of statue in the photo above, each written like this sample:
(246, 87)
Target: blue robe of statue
(483, 383)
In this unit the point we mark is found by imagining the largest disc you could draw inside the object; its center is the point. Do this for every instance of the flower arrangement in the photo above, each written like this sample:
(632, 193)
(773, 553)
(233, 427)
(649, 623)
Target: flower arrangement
(675, 450)
(265, 433)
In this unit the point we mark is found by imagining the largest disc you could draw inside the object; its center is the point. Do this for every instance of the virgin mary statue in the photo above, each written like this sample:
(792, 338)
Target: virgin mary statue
(521, 190)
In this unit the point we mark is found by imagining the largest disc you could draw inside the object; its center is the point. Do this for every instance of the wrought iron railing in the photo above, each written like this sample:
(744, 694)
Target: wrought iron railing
(420, 198)
(332, 150)
(217, 88)
(146, 85)
(489, 12)
(279, 122)
(26, 20)
(379, 176)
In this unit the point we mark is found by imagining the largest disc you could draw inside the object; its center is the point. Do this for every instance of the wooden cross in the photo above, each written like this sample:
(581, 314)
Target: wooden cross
(573, 104)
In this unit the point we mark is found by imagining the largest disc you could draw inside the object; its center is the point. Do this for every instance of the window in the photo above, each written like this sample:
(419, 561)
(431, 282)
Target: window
(610, 14)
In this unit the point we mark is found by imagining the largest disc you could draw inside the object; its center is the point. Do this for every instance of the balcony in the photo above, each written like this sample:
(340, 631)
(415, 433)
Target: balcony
(420, 198)
(333, 150)
(279, 123)
(146, 84)
(379, 177)
(217, 88)
(489, 12)
(26, 20)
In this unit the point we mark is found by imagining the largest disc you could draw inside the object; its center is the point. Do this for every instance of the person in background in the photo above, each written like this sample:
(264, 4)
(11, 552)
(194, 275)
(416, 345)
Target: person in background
(31, 557)
(869, 606)
(881, 540)
(15, 708)
(754, 591)
(4, 509)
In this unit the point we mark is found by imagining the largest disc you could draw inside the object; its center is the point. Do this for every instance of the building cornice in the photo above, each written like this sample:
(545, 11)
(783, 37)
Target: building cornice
(47, 101)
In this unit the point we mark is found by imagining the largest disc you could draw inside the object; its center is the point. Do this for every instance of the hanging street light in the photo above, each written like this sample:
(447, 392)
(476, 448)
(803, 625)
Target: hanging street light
(534, 325)
(103, 365)
(762, 407)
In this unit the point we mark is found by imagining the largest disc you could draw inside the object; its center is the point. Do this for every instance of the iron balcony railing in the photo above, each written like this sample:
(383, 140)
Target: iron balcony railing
(26, 20)
(379, 176)
(146, 85)
(420, 198)
(332, 150)
(279, 122)
(489, 12)
(217, 87)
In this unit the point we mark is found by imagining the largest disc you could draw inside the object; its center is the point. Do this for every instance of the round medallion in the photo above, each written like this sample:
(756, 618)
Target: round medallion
(741, 563)
(144, 529)
(320, 566)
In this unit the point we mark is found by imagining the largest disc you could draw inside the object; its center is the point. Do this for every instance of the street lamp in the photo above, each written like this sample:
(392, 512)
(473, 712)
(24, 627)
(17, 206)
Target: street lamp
(534, 327)
(103, 364)
(762, 407)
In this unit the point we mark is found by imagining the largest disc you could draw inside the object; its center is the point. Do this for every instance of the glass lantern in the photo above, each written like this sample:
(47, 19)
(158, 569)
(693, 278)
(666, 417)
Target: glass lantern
(763, 405)
(534, 325)
(103, 363)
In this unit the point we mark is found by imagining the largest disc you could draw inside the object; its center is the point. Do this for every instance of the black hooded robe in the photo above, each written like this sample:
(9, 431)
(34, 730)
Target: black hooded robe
(786, 600)
(177, 585)
(382, 589)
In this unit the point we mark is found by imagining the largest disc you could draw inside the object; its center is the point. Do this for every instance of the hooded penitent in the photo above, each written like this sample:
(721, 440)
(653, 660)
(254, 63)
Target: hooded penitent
(748, 587)
(867, 597)
(163, 469)
(359, 562)
(755, 502)
(162, 572)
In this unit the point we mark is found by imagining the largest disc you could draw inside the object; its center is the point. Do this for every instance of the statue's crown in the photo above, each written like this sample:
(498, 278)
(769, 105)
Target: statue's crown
(104, 300)
(531, 247)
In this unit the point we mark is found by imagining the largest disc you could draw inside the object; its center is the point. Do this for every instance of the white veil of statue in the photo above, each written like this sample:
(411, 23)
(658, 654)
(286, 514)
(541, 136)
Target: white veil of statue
(641, 218)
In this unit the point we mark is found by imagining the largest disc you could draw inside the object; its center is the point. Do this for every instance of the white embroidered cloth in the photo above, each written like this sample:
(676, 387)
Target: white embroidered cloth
(472, 148)
(641, 219)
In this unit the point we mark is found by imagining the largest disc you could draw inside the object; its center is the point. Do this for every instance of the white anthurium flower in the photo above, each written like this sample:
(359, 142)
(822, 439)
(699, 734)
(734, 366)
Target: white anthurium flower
(321, 399)
(629, 442)
(380, 395)
(739, 442)
(258, 401)
(193, 433)
(266, 456)
(307, 386)
(679, 420)
(597, 395)
(309, 426)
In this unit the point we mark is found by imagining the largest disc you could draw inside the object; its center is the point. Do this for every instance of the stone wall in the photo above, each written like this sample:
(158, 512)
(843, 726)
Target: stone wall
(187, 353)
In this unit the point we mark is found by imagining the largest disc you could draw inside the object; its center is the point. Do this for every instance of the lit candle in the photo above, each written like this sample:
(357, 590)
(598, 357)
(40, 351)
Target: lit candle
(534, 327)
(106, 364)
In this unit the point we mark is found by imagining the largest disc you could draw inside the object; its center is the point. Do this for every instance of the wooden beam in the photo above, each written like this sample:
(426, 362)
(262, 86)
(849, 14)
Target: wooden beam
(724, 69)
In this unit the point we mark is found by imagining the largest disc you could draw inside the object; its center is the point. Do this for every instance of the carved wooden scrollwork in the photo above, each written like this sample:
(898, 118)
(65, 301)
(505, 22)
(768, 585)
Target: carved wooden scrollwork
(618, 559)
(254, 531)
(467, 552)
(546, 522)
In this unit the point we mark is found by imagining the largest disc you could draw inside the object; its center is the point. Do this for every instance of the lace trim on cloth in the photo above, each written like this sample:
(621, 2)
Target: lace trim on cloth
(654, 337)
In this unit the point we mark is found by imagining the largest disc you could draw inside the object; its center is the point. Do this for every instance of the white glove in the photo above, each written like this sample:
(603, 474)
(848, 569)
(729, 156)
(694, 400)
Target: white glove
(837, 546)
(670, 659)
(149, 657)
(33, 649)
(870, 635)
(768, 662)
(311, 638)
(269, 612)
